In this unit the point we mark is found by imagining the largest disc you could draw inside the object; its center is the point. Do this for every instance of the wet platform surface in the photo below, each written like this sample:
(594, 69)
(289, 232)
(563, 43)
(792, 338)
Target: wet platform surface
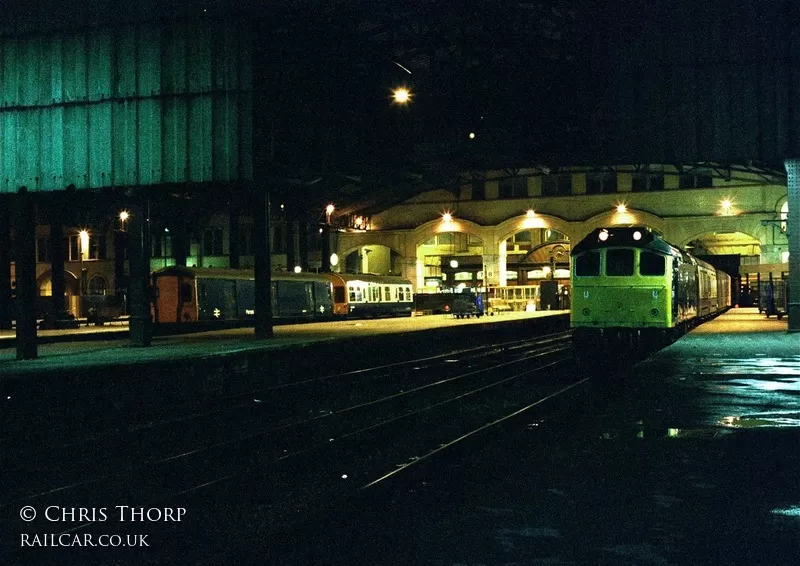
(689, 459)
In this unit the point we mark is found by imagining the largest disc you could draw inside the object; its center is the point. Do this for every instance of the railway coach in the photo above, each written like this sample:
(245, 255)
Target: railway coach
(629, 285)
(366, 295)
(189, 297)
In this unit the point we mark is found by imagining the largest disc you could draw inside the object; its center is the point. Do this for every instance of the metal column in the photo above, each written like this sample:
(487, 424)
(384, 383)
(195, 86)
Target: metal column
(793, 235)
(263, 265)
(25, 261)
(141, 331)
(6, 304)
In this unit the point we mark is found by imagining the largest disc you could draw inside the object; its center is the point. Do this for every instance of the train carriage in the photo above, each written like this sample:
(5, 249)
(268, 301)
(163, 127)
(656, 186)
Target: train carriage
(220, 297)
(628, 284)
(212, 298)
(367, 295)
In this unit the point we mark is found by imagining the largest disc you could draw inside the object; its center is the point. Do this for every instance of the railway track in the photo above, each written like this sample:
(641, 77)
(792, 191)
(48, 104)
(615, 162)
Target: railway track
(395, 414)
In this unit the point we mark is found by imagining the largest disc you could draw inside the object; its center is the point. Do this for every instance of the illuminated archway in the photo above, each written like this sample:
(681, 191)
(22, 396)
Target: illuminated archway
(450, 260)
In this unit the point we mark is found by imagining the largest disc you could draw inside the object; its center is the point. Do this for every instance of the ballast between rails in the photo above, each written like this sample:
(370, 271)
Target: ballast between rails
(192, 297)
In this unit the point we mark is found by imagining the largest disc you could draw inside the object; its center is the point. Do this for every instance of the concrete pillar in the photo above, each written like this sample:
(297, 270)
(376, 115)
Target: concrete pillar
(263, 263)
(141, 324)
(25, 261)
(492, 270)
(326, 248)
(291, 244)
(180, 234)
(6, 303)
(233, 236)
(302, 245)
(120, 276)
(59, 316)
(793, 234)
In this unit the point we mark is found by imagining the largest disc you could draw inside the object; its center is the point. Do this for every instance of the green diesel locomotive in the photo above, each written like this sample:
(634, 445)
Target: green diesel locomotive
(631, 286)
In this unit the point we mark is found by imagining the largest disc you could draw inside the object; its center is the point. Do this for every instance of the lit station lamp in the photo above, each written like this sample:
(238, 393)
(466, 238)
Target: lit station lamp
(123, 218)
(401, 95)
(726, 207)
(622, 214)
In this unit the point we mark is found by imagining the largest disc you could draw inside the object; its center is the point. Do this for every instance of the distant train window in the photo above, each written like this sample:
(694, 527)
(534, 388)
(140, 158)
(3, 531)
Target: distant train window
(651, 264)
(588, 264)
(186, 292)
(356, 295)
(619, 263)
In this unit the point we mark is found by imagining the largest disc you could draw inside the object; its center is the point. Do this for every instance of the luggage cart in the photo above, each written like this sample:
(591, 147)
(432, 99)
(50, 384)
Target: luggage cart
(773, 297)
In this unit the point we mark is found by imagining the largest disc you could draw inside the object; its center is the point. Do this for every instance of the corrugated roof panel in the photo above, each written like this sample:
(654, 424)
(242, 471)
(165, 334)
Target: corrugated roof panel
(129, 106)
(76, 145)
(74, 79)
(198, 62)
(123, 143)
(175, 128)
(51, 126)
(173, 70)
(199, 139)
(9, 59)
(99, 69)
(148, 64)
(124, 53)
(149, 138)
(99, 165)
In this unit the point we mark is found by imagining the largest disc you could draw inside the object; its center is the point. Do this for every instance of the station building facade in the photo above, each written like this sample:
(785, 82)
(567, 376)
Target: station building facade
(510, 228)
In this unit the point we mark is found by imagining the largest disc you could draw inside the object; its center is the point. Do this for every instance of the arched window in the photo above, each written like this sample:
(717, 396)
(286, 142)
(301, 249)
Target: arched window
(97, 285)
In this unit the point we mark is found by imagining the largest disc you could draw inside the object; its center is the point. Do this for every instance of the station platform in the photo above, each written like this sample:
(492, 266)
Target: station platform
(108, 346)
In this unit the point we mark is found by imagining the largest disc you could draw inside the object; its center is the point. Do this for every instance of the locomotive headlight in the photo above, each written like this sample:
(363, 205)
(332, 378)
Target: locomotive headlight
(586, 312)
(653, 312)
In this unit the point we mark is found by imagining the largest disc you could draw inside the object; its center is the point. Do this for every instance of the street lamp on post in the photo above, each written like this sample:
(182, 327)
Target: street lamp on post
(83, 247)
(326, 239)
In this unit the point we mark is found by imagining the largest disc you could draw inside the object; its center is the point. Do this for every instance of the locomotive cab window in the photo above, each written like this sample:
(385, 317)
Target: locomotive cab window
(651, 264)
(588, 264)
(619, 262)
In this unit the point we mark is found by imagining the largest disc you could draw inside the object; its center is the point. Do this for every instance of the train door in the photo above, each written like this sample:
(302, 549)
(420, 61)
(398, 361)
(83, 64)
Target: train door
(167, 299)
(340, 305)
